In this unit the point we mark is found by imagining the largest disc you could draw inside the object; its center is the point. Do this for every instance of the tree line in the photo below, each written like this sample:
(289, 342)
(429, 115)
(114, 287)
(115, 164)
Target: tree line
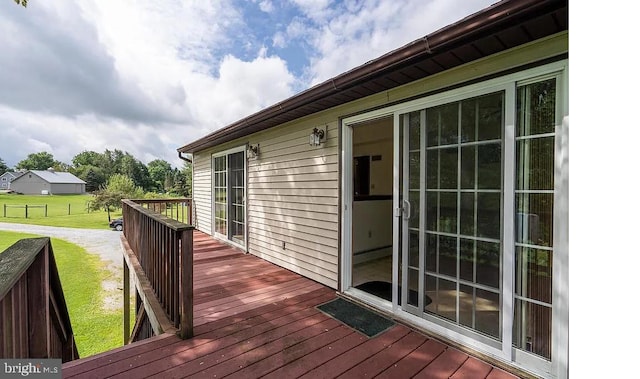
(98, 169)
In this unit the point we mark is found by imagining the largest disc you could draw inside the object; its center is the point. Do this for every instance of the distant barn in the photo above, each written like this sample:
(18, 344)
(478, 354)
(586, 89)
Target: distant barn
(45, 182)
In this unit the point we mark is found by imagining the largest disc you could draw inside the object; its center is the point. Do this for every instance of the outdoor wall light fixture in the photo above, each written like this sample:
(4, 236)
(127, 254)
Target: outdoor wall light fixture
(317, 137)
(253, 151)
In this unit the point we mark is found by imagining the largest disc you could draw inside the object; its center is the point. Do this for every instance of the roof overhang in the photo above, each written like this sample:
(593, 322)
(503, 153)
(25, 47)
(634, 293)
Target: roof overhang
(502, 26)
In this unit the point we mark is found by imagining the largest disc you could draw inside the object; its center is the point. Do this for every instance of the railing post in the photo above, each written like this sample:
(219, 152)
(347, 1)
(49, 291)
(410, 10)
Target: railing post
(186, 284)
(126, 309)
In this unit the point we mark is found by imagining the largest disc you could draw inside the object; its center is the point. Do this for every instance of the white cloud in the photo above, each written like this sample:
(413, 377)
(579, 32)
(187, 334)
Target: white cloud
(147, 77)
(360, 31)
(266, 6)
(144, 77)
(280, 40)
(315, 9)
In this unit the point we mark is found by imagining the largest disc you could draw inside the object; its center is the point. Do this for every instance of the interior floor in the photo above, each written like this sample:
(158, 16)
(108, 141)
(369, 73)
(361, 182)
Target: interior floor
(375, 270)
(478, 313)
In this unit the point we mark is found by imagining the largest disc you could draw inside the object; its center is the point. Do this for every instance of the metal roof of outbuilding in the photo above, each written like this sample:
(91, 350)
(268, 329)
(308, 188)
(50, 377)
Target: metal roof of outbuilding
(56, 177)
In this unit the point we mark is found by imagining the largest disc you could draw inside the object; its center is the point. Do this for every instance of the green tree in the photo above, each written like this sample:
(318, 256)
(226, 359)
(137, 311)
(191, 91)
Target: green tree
(3, 167)
(160, 172)
(61, 166)
(112, 160)
(22, 2)
(89, 158)
(109, 201)
(37, 161)
(137, 171)
(169, 181)
(94, 176)
(91, 167)
(124, 185)
(109, 197)
(187, 174)
(119, 162)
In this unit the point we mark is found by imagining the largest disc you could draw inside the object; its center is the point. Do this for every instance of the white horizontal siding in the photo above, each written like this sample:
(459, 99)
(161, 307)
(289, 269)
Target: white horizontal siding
(293, 201)
(291, 262)
(202, 191)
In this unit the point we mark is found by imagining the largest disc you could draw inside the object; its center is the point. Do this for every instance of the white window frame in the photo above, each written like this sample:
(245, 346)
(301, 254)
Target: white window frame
(558, 366)
(214, 233)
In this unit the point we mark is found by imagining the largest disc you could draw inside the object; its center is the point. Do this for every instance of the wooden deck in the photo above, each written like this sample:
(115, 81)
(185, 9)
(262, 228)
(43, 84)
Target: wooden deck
(254, 319)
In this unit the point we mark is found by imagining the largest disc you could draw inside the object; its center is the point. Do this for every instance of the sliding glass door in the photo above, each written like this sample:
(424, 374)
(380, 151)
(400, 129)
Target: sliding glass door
(476, 214)
(453, 183)
(480, 205)
(229, 196)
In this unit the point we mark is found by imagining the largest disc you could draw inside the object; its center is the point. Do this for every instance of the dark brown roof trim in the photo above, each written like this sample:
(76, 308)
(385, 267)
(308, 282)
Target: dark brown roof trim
(493, 19)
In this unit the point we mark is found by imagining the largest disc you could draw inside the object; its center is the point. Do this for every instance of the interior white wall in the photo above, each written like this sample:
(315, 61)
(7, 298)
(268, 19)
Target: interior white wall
(372, 219)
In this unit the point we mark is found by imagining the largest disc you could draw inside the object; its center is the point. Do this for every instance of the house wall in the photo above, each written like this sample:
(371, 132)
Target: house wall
(293, 188)
(292, 199)
(67, 188)
(201, 189)
(5, 180)
(30, 184)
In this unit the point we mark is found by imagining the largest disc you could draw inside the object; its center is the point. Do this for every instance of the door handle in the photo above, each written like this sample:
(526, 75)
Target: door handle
(406, 209)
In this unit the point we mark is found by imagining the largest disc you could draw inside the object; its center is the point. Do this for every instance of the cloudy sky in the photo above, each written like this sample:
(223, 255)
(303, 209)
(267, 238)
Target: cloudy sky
(150, 76)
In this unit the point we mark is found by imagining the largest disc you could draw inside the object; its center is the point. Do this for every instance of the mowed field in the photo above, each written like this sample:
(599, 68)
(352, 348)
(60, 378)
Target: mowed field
(61, 210)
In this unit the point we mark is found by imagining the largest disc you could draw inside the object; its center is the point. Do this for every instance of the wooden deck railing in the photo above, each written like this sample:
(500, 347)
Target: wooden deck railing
(178, 209)
(159, 251)
(34, 321)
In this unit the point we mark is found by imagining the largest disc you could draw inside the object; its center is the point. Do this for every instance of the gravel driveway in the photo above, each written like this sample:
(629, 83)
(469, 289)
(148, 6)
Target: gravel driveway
(104, 243)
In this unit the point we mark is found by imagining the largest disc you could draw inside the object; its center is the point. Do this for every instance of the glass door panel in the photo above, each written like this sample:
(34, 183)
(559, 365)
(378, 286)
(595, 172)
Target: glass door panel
(237, 197)
(229, 196)
(453, 222)
(411, 287)
(535, 141)
(220, 194)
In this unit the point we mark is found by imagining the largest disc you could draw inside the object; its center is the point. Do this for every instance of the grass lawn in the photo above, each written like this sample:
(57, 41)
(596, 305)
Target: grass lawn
(96, 327)
(62, 210)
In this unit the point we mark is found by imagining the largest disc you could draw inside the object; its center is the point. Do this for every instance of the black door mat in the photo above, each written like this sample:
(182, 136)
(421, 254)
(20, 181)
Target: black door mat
(357, 317)
(383, 290)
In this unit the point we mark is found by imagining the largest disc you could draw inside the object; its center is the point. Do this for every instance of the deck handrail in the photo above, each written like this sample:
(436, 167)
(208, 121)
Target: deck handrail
(159, 250)
(34, 319)
(174, 208)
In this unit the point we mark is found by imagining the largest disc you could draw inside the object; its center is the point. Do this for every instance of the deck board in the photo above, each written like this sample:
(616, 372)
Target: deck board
(253, 319)
(377, 363)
